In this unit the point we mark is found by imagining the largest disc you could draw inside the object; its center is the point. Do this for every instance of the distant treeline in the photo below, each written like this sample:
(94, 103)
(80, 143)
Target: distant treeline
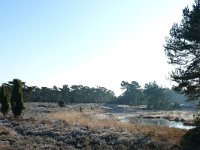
(73, 94)
(152, 95)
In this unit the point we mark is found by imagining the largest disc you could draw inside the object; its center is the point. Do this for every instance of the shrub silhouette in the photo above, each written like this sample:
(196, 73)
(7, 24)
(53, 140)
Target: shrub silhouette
(61, 103)
(17, 103)
(191, 140)
(4, 99)
(197, 119)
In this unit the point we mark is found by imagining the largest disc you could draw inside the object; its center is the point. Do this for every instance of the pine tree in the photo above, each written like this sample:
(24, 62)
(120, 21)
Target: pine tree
(17, 103)
(183, 50)
(4, 98)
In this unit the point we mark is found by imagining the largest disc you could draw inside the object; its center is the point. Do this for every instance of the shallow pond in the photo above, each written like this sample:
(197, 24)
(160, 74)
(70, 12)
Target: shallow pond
(159, 121)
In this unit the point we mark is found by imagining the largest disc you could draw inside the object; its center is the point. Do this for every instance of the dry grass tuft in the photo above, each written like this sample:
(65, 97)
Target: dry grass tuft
(4, 131)
(6, 147)
(172, 135)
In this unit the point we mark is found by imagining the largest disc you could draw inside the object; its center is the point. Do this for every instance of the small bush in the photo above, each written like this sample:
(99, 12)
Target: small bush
(81, 109)
(61, 103)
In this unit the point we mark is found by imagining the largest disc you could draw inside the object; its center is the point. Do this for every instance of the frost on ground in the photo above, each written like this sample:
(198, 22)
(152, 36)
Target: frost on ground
(47, 126)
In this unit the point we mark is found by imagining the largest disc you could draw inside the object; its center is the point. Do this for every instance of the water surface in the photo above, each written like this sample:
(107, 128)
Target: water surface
(155, 121)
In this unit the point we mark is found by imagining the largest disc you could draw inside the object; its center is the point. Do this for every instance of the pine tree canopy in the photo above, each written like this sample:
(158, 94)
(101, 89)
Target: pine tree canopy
(183, 51)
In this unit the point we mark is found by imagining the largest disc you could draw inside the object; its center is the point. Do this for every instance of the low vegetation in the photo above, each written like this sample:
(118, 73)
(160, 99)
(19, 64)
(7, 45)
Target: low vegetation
(171, 135)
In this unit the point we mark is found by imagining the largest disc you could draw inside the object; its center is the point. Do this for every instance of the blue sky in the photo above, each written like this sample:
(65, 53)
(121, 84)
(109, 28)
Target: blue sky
(88, 42)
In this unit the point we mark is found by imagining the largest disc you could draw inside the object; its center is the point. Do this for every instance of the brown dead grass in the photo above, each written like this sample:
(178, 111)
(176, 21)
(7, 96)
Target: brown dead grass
(4, 130)
(6, 147)
(172, 135)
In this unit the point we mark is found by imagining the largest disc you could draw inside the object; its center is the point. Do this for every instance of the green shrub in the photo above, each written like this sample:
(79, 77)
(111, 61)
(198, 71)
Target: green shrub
(61, 103)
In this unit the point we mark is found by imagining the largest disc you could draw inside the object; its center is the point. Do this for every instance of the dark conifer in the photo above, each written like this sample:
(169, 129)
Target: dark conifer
(4, 99)
(183, 50)
(17, 103)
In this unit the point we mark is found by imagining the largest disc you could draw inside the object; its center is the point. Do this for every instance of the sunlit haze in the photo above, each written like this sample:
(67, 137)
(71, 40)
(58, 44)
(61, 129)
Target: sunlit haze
(87, 42)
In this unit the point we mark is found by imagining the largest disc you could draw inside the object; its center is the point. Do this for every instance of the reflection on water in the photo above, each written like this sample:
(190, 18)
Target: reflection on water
(160, 121)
